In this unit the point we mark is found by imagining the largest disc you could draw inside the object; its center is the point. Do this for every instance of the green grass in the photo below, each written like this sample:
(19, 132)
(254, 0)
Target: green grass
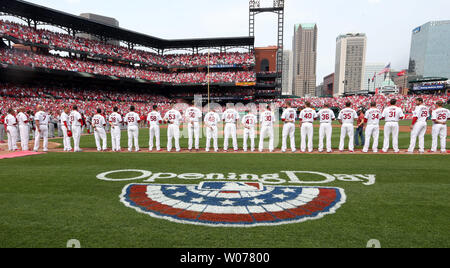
(48, 199)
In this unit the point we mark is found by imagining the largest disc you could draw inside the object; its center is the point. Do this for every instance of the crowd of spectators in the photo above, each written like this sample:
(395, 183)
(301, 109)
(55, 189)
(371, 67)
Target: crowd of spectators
(406, 102)
(30, 59)
(93, 47)
(54, 99)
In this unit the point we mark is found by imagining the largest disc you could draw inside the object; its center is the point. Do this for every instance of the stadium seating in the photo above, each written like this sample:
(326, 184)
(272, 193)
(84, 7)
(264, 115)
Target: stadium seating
(407, 103)
(53, 99)
(30, 59)
(93, 47)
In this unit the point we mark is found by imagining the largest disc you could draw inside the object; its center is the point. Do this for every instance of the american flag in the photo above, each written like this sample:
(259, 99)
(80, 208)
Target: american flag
(386, 69)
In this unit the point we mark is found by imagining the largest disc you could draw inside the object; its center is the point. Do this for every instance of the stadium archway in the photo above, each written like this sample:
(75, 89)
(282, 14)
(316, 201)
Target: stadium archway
(265, 65)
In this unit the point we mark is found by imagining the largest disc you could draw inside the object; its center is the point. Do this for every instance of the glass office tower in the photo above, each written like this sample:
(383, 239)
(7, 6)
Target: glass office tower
(430, 50)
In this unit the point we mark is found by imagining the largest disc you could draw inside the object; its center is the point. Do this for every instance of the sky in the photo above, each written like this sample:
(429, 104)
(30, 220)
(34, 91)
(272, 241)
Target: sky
(388, 24)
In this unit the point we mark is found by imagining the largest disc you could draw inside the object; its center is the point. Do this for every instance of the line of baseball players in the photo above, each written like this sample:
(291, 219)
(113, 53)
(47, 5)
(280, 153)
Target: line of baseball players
(391, 114)
(72, 122)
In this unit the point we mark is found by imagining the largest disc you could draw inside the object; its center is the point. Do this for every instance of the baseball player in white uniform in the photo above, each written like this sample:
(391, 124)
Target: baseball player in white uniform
(288, 117)
(212, 119)
(372, 118)
(154, 119)
(419, 126)
(173, 118)
(249, 122)
(115, 120)
(76, 123)
(392, 115)
(230, 117)
(132, 119)
(347, 118)
(11, 130)
(66, 129)
(326, 117)
(193, 116)
(440, 117)
(41, 119)
(307, 117)
(22, 119)
(99, 123)
(267, 119)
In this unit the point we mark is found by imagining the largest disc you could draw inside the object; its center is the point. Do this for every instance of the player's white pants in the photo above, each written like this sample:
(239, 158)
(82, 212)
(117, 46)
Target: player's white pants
(391, 128)
(76, 132)
(42, 133)
(325, 131)
(12, 137)
(372, 131)
(439, 131)
(419, 131)
(173, 132)
(133, 135)
(347, 130)
(230, 131)
(249, 133)
(100, 136)
(115, 138)
(24, 137)
(307, 131)
(288, 131)
(2, 132)
(66, 139)
(212, 133)
(194, 133)
(266, 131)
(154, 134)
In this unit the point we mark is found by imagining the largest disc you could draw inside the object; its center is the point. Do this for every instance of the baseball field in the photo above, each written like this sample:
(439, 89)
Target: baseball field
(399, 200)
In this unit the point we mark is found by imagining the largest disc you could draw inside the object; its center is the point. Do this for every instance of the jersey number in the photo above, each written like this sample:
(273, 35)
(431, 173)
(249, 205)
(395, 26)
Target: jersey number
(326, 117)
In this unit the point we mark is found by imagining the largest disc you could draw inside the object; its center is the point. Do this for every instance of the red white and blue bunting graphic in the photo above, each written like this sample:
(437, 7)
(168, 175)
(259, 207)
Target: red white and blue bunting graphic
(233, 204)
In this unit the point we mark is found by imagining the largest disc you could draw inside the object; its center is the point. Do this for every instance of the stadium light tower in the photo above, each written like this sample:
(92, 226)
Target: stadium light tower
(278, 8)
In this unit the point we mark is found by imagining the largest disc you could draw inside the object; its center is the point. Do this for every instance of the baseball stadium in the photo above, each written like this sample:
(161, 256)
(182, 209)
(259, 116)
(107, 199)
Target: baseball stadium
(115, 138)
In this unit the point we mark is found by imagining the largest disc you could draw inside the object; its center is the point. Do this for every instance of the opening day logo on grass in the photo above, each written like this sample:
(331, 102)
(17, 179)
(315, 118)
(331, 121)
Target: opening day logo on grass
(232, 200)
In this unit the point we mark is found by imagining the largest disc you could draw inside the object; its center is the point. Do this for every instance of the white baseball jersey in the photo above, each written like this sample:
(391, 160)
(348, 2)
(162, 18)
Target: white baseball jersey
(115, 119)
(10, 120)
(393, 114)
(441, 115)
(289, 114)
(173, 116)
(22, 119)
(43, 118)
(267, 119)
(348, 116)
(98, 121)
(64, 118)
(326, 115)
(193, 115)
(212, 119)
(230, 116)
(422, 113)
(249, 120)
(373, 116)
(308, 115)
(75, 118)
(132, 119)
(154, 118)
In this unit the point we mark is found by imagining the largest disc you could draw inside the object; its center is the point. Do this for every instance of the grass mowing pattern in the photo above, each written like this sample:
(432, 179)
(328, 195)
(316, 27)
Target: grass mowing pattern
(48, 199)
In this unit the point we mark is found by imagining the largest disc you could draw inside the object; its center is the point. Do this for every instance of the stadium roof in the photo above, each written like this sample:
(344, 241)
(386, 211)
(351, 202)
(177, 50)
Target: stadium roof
(55, 17)
(429, 79)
